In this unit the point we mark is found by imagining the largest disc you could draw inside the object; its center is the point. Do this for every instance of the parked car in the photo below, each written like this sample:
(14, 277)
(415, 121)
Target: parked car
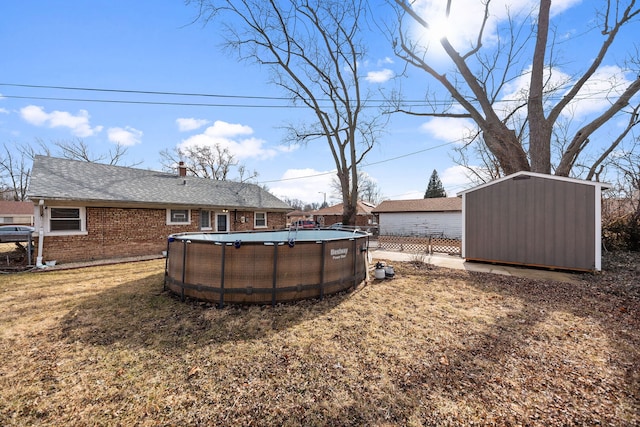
(15, 233)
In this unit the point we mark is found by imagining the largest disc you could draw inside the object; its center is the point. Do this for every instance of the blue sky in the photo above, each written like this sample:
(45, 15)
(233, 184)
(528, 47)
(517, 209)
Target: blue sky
(149, 45)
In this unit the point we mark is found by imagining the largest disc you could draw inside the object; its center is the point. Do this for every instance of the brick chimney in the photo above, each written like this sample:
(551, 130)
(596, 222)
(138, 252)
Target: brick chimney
(182, 169)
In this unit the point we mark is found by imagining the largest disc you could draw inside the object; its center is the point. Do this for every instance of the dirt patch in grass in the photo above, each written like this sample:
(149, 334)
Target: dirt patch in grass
(107, 346)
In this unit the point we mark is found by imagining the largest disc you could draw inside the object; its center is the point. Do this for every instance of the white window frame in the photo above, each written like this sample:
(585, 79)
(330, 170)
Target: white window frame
(82, 214)
(255, 220)
(208, 214)
(170, 216)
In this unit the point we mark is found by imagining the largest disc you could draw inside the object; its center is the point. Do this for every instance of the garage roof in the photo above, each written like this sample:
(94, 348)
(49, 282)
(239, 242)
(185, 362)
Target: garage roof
(437, 204)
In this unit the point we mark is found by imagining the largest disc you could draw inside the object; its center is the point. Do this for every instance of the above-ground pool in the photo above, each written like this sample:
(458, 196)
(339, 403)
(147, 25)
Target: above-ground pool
(265, 267)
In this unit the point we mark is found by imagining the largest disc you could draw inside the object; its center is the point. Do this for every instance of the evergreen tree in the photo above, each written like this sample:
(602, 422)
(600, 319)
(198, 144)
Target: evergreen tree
(435, 187)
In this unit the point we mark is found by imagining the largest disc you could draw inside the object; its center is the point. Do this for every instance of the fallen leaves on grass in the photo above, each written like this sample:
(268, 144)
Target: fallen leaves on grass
(106, 345)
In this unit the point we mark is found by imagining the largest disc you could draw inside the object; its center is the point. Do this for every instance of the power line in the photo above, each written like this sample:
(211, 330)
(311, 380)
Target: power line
(298, 177)
(183, 104)
(144, 92)
(406, 103)
(164, 93)
(366, 164)
(413, 153)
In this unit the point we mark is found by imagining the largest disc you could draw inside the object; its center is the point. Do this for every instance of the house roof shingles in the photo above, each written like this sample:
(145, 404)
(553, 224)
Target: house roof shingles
(438, 204)
(71, 180)
(362, 208)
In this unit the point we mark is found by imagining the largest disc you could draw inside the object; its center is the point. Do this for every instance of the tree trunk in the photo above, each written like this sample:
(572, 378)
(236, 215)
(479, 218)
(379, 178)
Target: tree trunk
(506, 147)
(539, 128)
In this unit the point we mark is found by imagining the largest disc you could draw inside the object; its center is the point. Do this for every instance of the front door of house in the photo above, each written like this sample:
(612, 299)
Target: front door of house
(222, 222)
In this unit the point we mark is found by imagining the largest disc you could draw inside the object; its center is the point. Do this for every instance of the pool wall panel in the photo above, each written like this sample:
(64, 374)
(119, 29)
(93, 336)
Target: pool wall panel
(255, 272)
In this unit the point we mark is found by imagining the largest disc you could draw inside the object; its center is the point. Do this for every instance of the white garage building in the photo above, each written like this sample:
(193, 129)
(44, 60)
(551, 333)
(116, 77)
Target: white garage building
(441, 217)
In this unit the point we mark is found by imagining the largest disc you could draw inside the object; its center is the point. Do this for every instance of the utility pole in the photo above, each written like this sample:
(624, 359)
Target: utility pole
(325, 197)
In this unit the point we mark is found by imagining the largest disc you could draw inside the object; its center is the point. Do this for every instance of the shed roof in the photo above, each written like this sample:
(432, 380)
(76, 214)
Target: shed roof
(602, 185)
(436, 204)
(71, 180)
(9, 207)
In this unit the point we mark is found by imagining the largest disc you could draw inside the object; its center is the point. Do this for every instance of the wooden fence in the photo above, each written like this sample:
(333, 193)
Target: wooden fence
(421, 244)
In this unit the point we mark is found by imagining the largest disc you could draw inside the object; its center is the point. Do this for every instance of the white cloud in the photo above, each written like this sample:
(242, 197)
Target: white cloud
(379, 76)
(410, 195)
(4, 111)
(78, 124)
(449, 129)
(187, 124)
(124, 136)
(608, 81)
(386, 60)
(465, 18)
(309, 188)
(456, 179)
(288, 148)
(232, 137)
(34, 115)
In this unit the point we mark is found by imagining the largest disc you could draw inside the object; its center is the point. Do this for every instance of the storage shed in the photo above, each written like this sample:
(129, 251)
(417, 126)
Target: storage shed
(534, 219)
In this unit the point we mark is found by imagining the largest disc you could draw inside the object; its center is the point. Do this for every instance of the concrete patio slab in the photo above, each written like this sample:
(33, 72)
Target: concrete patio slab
(455, 262)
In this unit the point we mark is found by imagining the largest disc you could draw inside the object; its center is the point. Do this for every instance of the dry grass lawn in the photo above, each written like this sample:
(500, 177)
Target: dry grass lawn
(107, 346)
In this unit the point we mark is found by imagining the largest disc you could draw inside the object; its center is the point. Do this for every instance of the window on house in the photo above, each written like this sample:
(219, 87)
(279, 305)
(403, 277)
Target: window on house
(205, 220)
(178, 216)
(260, 219)
(65, 219)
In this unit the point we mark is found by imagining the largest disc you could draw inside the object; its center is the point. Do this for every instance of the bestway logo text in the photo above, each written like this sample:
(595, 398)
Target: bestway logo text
(339, 253)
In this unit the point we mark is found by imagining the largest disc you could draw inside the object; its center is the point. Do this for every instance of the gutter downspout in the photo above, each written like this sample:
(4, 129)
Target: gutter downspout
(40, 235)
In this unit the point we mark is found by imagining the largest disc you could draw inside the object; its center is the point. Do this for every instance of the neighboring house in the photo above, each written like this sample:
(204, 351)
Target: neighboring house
(86, 211)
(440, 216)
(333, 214)
(295, 216)
(536, 220)
(16, 213)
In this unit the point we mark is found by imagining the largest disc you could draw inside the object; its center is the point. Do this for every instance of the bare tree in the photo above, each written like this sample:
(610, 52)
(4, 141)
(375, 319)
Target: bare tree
(15, 172)
(519, 136)
(15, 162)
(621, 206)
(296, 204)
(488, 168)
(245, 175)
(312, 49)
(78, 149)
(205, 161)
(368, 188)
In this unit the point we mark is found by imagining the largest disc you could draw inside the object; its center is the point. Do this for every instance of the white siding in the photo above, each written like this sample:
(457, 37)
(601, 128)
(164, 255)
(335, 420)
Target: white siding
(448, 224)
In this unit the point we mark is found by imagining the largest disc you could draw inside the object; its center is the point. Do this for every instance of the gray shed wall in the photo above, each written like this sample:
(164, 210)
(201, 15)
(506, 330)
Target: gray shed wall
(532, 221)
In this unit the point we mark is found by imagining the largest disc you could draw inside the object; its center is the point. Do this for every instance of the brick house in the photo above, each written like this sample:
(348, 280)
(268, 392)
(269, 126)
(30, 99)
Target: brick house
(333, 214)
(87, 211)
